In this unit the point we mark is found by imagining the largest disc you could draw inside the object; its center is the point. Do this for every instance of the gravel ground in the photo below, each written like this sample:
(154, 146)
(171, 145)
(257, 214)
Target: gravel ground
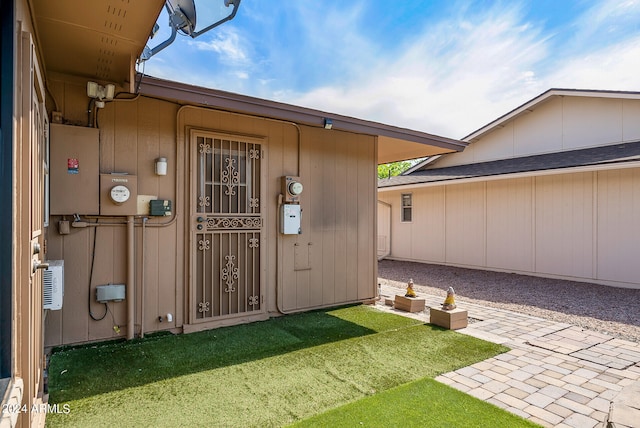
(611, 310)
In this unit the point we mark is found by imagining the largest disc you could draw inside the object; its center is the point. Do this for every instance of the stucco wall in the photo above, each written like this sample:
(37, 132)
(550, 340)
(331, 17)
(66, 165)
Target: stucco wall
(579, 226)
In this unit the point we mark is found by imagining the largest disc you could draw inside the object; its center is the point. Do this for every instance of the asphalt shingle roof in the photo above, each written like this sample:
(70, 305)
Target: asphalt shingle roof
(623, 152)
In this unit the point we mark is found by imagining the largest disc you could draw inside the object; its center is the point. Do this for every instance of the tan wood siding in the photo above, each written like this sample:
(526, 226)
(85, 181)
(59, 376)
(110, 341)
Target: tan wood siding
(509, 224)
(402, 231)
(558, 124)
(331, 262)
(580, 226)
(630, 122)
(589, 122)
(529, 137)
(564, 225)
(618, 234)
(465, 225)
(429, 240)
(132, 135)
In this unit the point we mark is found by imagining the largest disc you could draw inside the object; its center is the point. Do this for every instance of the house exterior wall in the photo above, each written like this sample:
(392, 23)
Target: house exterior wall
(23, 101)
(338, 221)
(579, 226)
(569, 123)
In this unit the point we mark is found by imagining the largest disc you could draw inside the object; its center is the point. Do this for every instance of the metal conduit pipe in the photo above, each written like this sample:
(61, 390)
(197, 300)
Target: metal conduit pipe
(131, 309)
(142, 288)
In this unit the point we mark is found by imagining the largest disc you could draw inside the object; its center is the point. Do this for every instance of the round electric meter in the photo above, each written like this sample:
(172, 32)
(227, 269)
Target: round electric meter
(295, 188)
(120, 194)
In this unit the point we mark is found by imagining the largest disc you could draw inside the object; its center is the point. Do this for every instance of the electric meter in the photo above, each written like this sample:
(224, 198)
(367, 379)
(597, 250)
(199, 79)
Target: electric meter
(295, 188)
(120, 194)
(291, 189)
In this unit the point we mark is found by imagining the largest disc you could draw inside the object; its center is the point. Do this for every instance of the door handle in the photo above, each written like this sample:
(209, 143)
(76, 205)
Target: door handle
(38, 264)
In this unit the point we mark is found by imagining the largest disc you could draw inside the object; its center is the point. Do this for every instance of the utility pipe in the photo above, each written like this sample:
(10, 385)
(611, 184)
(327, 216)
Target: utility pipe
(144, 224)
(130, 278)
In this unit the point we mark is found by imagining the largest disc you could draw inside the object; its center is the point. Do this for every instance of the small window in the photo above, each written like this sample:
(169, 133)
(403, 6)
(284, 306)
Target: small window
(406, 207)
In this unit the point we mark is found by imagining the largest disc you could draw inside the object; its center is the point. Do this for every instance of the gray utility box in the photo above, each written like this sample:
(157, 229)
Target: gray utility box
(110, 293)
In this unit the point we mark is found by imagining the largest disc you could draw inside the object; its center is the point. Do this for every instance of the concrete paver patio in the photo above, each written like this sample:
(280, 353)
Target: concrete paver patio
(556, 374)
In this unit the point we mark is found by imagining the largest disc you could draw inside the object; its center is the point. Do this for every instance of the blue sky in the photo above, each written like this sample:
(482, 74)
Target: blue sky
(445, 67)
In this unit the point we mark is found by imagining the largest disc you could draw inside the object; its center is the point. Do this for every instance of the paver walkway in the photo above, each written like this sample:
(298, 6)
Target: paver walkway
(556, 374)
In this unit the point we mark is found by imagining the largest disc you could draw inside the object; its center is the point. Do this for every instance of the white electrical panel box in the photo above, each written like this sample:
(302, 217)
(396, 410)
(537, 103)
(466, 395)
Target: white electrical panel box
(53, 285)
(290, 219)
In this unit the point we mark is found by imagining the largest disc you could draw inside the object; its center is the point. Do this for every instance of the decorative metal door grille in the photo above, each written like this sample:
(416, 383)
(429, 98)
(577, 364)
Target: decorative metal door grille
(228, 224)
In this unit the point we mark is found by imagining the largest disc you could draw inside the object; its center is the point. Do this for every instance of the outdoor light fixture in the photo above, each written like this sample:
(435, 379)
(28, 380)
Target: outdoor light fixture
(161, 166)
(328, 123)
(102, 93)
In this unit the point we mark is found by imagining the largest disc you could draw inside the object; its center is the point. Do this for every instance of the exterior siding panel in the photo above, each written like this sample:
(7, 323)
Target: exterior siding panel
(509, 224)
(619, 226)
(466, 224)
(330, 263)
(578, 226)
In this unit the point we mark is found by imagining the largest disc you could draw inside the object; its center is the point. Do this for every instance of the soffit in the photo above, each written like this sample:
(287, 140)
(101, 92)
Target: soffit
(394, 149)
(96, 39)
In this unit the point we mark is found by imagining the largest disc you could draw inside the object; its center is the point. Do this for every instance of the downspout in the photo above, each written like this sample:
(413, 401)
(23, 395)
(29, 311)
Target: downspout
(130, 277)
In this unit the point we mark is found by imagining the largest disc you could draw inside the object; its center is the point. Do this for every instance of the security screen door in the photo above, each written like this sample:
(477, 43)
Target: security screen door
(226, 226)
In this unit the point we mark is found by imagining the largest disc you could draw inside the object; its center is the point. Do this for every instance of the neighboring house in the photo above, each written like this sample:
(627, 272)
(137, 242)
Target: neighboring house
(209, 252)
(551, 189)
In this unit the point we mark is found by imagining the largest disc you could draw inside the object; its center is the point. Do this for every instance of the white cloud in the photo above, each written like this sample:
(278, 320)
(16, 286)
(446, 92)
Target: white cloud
(611, 67)
(455, 76)
(227, 44)
(450, 78)
(607, 21)
(468, 70)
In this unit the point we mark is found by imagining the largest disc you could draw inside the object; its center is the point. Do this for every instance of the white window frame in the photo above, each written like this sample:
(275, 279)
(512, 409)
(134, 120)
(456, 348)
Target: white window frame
(406, 208)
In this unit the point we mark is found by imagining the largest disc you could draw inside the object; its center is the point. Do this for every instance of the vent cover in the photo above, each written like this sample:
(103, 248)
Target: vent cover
(53, 285)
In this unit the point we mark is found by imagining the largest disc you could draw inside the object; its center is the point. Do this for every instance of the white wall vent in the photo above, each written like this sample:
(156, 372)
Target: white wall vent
(53, 285)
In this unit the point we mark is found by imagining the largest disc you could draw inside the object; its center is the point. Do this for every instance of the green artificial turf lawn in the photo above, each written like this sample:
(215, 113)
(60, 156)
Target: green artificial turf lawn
(421, 403)
(269, 373)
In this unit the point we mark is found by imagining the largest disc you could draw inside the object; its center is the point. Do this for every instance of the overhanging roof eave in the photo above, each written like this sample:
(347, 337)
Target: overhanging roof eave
(189, 94)
(512, 175)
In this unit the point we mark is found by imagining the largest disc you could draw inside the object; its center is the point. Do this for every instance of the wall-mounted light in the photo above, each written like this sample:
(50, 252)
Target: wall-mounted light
(161, 166)
(106, 92)
(328, 123)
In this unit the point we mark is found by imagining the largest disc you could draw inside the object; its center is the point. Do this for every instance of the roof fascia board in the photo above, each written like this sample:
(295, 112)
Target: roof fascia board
(265, 108)
(538, 173)
(553, 92)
